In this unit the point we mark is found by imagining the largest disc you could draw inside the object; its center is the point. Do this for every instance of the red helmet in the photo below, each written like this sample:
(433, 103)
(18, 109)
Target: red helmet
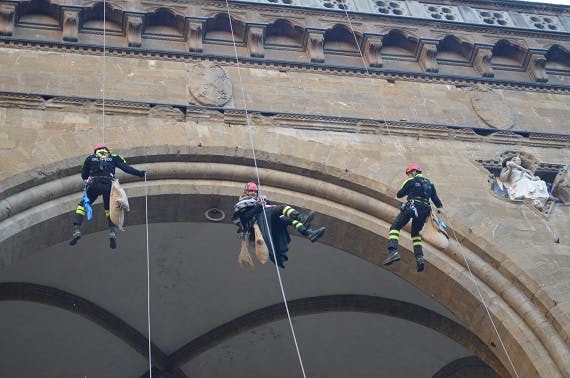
(251, 186)
(100, 146)
(413, 167)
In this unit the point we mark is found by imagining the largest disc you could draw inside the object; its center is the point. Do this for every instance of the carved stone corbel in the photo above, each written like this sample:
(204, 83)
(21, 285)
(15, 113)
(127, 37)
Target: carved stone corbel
(70, 25)
(482, 63)
(255, 39)
(7, 13)
(315, 46)
(372, 48)
(537, 68)
(194, 35)
(134, 29)
(428, 54)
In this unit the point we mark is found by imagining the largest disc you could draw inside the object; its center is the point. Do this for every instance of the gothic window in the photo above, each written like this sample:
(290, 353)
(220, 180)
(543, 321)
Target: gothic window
(440, 12)
(558, 58)
(218, 28)
(508, 54)
(452, 49)
(340, 38)
(39, 12)
(336, 4)
(538, 21)
(396, 8)
(397, 44)
(282, 32)
(493, 17)
(164, 22)
(97, 18)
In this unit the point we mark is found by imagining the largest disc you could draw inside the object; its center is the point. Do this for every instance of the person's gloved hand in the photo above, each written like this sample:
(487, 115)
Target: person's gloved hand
(142, 173)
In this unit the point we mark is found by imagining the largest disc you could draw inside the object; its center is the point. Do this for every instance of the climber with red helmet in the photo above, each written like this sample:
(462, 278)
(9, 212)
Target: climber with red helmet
(420, 191)
(249, 209)
(98, 173)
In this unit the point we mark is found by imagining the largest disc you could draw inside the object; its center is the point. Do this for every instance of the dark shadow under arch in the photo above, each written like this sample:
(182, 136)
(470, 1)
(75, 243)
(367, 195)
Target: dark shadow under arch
(30, 292)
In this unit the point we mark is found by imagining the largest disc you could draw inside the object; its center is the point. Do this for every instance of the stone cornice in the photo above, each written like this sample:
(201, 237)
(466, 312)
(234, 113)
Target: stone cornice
(387, 74)
(324, 123)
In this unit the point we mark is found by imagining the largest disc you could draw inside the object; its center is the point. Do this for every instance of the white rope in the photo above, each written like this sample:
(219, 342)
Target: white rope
(104, 67)
(147, 276)
(472, 276)
(259, 185)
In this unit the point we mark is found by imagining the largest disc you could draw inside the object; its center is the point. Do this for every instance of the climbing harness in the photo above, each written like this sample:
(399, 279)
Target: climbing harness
(259, 185)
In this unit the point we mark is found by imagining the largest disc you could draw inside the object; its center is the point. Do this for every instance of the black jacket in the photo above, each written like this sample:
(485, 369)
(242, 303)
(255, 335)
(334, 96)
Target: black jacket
(99, 168)
(421, 189)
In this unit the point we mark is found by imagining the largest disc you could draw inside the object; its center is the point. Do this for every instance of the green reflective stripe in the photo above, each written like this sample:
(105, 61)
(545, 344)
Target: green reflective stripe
(107, 212)
(288, 210)
(80, 211)
(119, 156)
(396, 237)
(404, 183)
(297, 224)
(416, 238)
(394, 232)
(419, 242)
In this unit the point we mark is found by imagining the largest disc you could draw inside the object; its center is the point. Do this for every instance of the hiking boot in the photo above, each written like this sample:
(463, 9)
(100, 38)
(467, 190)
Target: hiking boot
(76, 235)
(113, 239)
(393, 256)
(314, 235)
(420, 263)
(306, 219)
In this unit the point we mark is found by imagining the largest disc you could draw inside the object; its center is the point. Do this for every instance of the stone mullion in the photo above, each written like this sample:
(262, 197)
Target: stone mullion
(427, 56)
(315, 40)
(255, 41)
(7, 18)
(71, 24)
(134, 26)
(195, 34)
(371, 50)
(482, 63)
(537, 67)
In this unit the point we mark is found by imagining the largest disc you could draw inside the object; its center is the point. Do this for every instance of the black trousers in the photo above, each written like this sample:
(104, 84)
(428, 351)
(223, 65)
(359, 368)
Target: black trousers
(94, 190)
(417, 222)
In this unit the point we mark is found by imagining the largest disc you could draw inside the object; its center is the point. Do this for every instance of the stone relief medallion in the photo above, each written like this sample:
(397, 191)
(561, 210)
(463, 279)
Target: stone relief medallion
(209, 84)
(491, 108)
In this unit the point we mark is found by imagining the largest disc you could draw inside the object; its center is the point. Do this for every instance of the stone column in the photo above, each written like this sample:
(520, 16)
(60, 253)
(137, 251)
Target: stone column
(195, 34)
(315, 40)
(134, 29)
(371, 48)
(255, 41)
(7, 13)
(482, 63)
(71, 25)
(428, 55)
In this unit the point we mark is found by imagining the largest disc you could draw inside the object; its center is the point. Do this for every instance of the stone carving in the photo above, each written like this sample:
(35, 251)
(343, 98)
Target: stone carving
(209, 84)
(561, 186)
(315, 43)
(7, 13)
(195, 34)
(255, 42)
(134, 30)
(372, 48)
(541, 22)
(521, 183)
(494, 17)
(536, 68)
(491, 108)
(71, 25)
(428, 56)
(397, 8)
(483, 61)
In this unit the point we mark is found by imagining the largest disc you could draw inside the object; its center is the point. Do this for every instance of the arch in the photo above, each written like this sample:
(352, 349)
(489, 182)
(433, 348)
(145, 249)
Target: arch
(397, 43)
(343, 205)
(558, 57)
(93, 17)
(164, 21)
(39, 12)
(218, 28)
(508, 53)
(452, 48)
(35, 293)
(340, 38)
(283, 32)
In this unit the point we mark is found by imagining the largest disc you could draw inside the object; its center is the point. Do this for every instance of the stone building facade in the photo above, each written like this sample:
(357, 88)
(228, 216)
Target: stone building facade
(335, 98)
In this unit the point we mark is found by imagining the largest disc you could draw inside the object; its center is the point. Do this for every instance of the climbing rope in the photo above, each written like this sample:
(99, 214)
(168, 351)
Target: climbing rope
(259, 185)
(147, 276)
(104, 69)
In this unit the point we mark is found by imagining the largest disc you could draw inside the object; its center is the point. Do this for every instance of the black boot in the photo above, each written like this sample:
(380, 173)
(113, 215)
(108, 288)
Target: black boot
(419, 255)
(393, 255)
(314, 235)
(112, 237)
(306, 219)
(76, 234)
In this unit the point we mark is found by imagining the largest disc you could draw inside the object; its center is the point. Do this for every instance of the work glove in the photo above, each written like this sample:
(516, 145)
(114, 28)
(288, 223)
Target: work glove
(142, 173)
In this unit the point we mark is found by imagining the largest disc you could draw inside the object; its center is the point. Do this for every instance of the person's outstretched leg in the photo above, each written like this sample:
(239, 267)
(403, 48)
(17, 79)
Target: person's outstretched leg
(295, 215)
(394, 236)
(312, 235)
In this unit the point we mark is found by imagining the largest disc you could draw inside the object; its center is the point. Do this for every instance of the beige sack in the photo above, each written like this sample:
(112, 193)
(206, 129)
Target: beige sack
(261, 251)
(119, 203)
(244, 258)
(433, 234)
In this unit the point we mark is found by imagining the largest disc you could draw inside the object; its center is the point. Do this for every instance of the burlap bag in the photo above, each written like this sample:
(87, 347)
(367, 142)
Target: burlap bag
(434, 234)
(119, 203)
(261, 251)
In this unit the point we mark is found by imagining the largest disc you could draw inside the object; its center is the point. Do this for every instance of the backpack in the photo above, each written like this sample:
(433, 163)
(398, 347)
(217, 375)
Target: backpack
(427, 188)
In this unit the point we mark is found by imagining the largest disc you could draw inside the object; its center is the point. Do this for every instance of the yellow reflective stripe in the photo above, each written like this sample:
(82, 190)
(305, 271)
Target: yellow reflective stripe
(119, 156)
(405, 181)
(107, 212)
(417, 243)
(396, 237)
(297, 224)
(284, 212)
(394, 232)
(416, 238)
(80, 211)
